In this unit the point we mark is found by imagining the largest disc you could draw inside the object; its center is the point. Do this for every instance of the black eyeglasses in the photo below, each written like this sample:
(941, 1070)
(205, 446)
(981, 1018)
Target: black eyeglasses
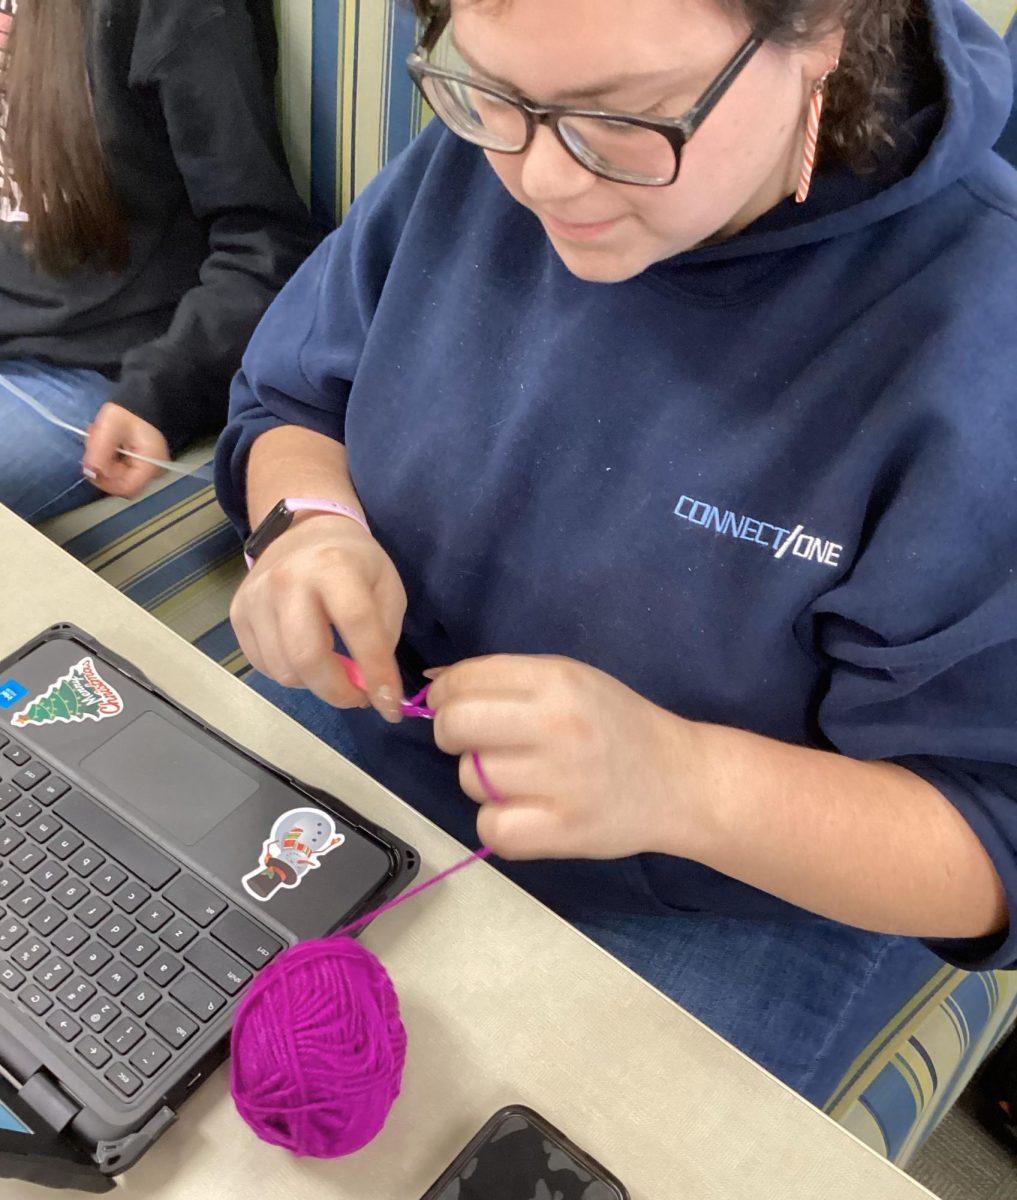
(620, 146)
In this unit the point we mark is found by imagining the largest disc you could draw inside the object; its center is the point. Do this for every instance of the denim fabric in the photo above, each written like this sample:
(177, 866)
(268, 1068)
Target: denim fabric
(40, 464)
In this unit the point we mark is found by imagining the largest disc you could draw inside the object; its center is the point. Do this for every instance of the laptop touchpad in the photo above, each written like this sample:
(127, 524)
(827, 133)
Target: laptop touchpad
(173, 780)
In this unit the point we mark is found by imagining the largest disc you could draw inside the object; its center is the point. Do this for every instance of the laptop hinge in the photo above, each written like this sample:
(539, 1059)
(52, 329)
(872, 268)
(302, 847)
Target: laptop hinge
(45, 1097)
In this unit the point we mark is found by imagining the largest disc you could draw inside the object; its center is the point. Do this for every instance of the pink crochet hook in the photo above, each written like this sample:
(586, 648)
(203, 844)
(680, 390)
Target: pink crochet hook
(414, 707)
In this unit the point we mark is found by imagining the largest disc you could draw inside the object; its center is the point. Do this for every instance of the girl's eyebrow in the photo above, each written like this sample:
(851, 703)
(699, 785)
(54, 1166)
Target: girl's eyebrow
(594, 91)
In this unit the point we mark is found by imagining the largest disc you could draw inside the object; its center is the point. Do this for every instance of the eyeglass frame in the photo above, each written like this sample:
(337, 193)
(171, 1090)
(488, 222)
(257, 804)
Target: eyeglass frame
(676, 130)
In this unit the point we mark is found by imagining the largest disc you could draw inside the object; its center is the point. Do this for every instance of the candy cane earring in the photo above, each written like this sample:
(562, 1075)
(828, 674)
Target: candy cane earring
(812, 137)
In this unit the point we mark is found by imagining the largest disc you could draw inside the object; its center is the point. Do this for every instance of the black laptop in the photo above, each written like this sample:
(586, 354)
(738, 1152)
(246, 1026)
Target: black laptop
(149, 868)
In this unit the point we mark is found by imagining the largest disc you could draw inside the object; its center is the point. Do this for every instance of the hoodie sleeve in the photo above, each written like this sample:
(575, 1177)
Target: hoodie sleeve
(301, 363)
(217, 103)
(923, 637)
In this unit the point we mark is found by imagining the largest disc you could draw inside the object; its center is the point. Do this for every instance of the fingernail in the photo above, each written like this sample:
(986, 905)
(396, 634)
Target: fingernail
(433, 672)
(89, 473)
(387, 703)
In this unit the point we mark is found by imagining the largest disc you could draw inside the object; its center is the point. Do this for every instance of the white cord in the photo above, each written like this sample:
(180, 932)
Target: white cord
(202, 472)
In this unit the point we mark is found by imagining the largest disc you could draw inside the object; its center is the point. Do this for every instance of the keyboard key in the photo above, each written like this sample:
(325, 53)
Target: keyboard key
(11, 932)
(10, 839)
(43, 828)
(221, 968)
(64, 844)
(3, 740)
(99, 1013)
(63, 1026)
(92, 959)
(86, 861)
(179, 933)
(74, 994)
(151, 866)
(195, 900)
(125, 1034)
(149, 1057)
(140, 998)
(69, 938)
(164, 968)
(25, 900)
(172, 1024)
(10, 977)
(93, 1051)
(92, 910)
(108, 879)
(10, 881)
(139, 950)
(27, 857)
(131, 897)
(116, 977)
(115, 929)
(31, 952)
(197, 996)
(154, 916)
(8, 794)
(52, 973)
(51, 790)
(17, 755)
(30, 775)
(47, 919)
(70, 893)
(243, 937)
(123, 1079)
(48, 874)
(22, 811)
(35, 999)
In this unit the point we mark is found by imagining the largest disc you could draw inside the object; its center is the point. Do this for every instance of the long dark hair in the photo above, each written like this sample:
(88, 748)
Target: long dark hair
(52, 153)
(861, 96)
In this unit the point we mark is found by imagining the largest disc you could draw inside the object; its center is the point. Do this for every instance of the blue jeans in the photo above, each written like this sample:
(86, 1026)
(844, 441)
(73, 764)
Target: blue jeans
(801, 999)
(40, 464)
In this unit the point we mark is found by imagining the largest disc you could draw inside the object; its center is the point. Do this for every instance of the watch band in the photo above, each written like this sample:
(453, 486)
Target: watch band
(280, 518)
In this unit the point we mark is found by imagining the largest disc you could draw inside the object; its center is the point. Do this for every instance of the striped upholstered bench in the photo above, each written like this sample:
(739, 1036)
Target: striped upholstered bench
(347, 106)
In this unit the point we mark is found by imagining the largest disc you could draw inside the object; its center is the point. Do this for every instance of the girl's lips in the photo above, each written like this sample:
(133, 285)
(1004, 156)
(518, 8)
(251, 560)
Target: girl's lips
(578, 233)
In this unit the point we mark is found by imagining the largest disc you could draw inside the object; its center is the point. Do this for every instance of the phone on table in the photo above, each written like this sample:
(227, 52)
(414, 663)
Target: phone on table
(518, 1155)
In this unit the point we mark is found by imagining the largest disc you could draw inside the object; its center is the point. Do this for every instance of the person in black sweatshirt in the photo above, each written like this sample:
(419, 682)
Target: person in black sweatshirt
(147, 220)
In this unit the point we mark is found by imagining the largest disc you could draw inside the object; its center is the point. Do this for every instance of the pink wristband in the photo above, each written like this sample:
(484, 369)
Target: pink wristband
(281, 517)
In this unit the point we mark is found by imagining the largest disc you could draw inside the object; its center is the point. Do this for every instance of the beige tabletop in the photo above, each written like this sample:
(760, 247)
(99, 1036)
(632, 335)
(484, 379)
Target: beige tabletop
(503, 1002)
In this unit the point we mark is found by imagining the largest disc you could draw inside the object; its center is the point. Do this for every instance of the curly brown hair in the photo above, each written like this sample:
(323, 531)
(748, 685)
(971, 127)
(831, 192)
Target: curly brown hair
(861, 96)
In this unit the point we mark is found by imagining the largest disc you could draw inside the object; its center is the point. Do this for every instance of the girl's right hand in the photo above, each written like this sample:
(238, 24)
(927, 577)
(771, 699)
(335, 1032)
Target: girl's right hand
(325, 571)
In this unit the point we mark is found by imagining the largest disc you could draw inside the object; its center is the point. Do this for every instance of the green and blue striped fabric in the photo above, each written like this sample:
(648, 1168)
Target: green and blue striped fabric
(346, 107)
(913, 1071)
(347, 104)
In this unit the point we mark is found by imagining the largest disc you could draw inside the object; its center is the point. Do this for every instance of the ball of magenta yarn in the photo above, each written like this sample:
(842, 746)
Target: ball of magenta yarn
(318, 1049)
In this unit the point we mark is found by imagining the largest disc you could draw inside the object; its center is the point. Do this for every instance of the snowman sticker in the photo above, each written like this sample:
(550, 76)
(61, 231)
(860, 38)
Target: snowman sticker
(296, 845)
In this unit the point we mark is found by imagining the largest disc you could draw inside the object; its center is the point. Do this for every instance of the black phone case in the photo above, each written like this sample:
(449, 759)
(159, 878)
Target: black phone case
(542, 1125)
(114, 1150)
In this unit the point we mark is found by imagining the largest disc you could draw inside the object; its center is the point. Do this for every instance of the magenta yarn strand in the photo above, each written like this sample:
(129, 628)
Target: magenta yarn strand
(360, 922)
(416, 707)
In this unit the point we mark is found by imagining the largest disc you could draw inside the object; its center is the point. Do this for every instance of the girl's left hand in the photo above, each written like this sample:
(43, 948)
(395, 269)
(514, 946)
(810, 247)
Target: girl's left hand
(585, 767)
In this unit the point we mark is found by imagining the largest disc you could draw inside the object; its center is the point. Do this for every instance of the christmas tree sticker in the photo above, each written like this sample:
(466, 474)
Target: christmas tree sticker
(80, 695)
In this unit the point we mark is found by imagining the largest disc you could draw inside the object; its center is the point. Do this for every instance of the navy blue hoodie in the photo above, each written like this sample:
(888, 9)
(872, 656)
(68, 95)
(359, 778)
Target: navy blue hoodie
(770, 483)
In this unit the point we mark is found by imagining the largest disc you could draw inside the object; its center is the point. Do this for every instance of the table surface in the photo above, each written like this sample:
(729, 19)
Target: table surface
(503, 1001)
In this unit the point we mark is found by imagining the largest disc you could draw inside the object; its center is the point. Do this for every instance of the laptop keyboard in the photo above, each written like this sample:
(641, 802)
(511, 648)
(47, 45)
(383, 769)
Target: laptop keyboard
(112, 946)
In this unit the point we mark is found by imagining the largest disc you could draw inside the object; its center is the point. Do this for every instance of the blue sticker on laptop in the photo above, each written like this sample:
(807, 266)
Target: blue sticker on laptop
(295, 846)
(80, 695)
(11, 692)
